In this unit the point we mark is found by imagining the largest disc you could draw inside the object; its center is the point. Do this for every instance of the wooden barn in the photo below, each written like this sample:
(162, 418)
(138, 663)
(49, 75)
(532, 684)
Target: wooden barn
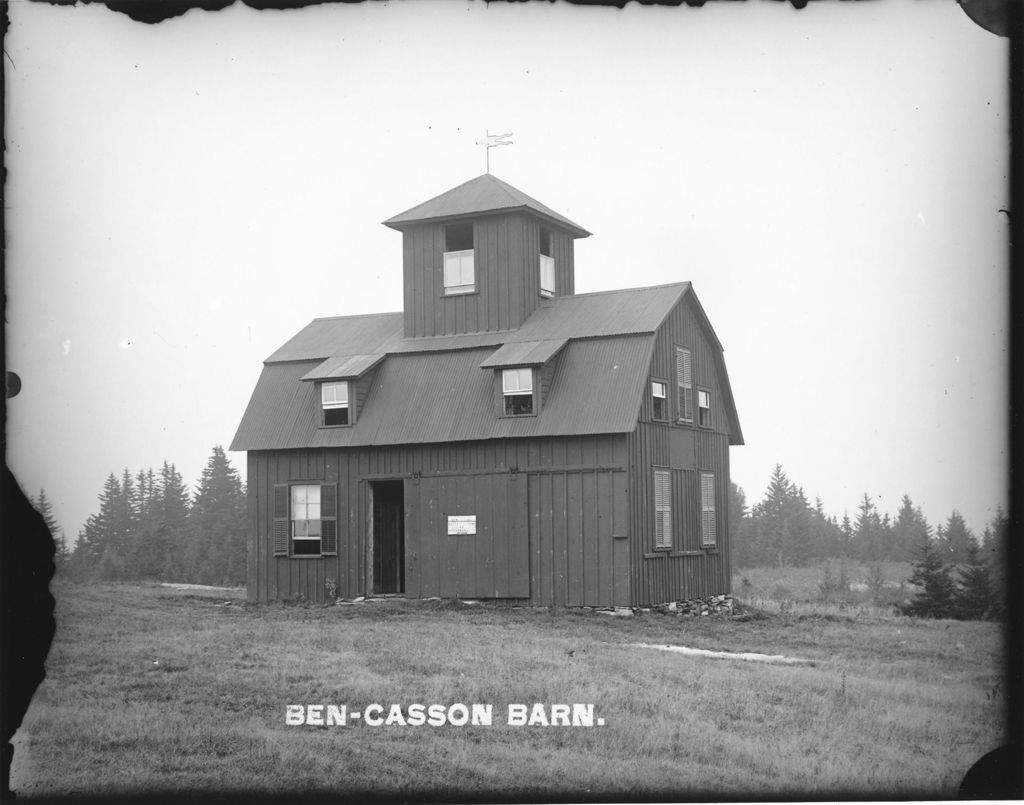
(501, 438)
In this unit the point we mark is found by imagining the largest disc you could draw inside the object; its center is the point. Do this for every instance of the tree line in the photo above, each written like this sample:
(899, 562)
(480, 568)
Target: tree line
(960, 574)
(149, 527)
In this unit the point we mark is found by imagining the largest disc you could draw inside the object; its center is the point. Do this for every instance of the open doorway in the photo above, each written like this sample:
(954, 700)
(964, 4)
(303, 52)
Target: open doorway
(388, 536)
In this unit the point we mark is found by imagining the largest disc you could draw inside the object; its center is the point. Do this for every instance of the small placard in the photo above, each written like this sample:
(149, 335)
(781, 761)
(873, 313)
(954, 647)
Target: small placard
(462, 524)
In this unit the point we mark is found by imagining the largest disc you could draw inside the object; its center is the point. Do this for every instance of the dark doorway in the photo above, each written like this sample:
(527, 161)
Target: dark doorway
(388, 537)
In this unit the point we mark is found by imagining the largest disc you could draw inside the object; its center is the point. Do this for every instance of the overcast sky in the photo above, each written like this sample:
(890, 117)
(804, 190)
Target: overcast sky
(183, 197)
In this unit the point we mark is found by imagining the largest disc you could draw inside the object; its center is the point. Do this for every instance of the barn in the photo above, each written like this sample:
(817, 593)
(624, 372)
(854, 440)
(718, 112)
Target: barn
(502, 437)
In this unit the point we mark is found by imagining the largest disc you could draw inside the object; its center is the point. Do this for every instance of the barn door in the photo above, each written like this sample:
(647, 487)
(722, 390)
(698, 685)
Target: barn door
(467, 536)
(388, 537)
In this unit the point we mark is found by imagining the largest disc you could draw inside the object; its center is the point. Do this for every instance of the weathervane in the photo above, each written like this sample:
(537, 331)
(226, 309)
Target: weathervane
(493, 141)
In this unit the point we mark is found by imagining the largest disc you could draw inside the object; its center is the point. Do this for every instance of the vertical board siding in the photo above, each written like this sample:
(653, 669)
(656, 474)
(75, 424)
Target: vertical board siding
(576, 560)
(506, 270)
(685, 571)
(585, 509)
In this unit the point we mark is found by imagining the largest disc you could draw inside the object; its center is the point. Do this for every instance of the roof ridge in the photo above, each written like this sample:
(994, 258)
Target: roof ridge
(360, 315)
(684, 283)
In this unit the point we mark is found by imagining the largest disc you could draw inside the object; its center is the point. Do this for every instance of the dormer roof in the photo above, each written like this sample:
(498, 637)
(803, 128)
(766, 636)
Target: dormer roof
(484, 194)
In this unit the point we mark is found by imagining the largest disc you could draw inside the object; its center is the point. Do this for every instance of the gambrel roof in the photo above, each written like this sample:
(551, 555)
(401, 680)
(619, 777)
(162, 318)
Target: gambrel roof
(440, 389)
(483, 194)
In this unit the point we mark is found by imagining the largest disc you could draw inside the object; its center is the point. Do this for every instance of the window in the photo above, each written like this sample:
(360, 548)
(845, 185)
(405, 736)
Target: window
(547, 264)
(517, 390)
(334, 397)
(459, 276)
(684, 380)
(708, 526)
(659, 397)
(305, 520)
(704, 408)
(662, 509)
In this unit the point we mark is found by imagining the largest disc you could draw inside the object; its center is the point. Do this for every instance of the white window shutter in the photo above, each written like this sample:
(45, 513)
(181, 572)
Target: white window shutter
(662, 509)
(708, 524)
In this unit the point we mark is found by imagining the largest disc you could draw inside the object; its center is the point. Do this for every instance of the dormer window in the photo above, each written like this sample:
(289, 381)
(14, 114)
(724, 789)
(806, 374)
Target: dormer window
(334, 397)
(547, 264)
(517, 390)
(459, 274)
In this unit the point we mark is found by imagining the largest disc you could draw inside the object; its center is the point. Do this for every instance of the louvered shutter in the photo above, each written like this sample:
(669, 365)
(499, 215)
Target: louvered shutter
(328, 519)
(281, 528)
(708, 526)
(662, 509)
(684, 379)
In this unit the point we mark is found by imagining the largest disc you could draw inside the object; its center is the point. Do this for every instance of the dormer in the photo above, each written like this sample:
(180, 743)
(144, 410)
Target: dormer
(482, 257)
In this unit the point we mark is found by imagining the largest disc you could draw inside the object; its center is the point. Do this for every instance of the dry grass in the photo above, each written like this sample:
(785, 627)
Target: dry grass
(154, 690)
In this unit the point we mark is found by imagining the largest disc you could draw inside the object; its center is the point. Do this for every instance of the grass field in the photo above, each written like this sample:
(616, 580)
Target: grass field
(153, 690)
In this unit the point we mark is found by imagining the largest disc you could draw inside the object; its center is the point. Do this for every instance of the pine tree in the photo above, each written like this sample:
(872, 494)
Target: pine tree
(974, 596)
(742, 549)
(867, 531)
(956, 538)
(846, 536)
(994, 549)
(45, 509)
(908, 531)
(935, 598)
(217, 525)
(171, 537)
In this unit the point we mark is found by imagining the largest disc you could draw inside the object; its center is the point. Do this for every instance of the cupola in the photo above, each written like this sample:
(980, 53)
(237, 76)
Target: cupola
(482, 257)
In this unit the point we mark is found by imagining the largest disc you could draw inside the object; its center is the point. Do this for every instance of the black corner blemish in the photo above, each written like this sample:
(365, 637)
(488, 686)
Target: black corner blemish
(28, 623)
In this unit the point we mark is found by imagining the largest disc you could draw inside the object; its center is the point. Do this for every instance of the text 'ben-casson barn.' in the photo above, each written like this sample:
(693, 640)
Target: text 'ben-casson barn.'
(503, 437)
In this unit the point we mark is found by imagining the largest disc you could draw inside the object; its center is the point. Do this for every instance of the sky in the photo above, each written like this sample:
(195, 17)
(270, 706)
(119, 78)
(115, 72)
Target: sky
(183, 197)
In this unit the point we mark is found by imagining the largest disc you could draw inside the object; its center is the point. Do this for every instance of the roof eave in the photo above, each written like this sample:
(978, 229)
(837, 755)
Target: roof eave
(400, 224)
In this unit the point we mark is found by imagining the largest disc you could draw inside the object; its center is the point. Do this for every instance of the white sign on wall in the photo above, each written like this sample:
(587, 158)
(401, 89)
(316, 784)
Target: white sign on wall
(461, 523)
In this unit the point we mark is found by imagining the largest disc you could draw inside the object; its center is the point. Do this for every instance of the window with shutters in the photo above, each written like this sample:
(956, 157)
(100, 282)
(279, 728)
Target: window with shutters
(662, 509)
(659, 400)
(517, 392)
(547, 264)
(708, 524)
(459, 272)
(305, 519)
(334, 399)
(684, 381)
(704, 408)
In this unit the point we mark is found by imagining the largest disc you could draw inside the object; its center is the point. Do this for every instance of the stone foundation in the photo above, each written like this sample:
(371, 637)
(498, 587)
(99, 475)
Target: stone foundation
(720, 605)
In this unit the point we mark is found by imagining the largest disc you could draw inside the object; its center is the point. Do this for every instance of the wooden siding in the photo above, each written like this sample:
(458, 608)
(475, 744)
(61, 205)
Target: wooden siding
(599, 461)
(492, 563)
(506, 271)
(687, 570)
(579, 548)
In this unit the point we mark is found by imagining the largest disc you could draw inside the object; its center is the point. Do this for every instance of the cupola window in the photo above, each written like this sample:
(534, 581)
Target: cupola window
(547, 264)
(459, 274)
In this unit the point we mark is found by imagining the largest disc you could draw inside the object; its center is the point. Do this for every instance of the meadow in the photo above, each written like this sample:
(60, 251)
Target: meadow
(152, 690)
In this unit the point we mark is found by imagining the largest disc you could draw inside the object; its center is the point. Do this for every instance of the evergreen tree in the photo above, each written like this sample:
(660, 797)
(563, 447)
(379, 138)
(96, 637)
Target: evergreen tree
(45, 509)
(908, 531)
(994, 549)
(846, 536)
(974, 596)
(742, 549)
(956, 538)
(774, 533)
(217, 552)
(149, 554)
(867, 531)
(171, 538)
(936, 596)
